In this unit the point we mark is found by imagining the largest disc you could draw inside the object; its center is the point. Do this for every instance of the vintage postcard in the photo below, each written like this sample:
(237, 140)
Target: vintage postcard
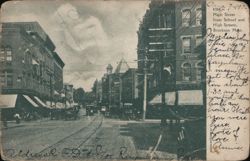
(124, 80)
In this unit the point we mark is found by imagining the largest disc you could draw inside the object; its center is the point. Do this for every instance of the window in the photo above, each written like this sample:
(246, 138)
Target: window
(6, 78)
(198, 71)
(198, 16)
(8, 54)
(2, 79)
(186, 15)
(19, 78)
(198, 40)
(186, 68)
(167, 20)
(169, 45)
(2, 55)
(186, 45)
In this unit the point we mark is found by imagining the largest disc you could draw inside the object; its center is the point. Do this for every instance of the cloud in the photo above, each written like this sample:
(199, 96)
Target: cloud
(88, 35)
(79, 33)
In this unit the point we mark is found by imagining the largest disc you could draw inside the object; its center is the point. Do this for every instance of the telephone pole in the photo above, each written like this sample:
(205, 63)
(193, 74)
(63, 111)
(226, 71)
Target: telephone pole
(145, 90)
(145, 81)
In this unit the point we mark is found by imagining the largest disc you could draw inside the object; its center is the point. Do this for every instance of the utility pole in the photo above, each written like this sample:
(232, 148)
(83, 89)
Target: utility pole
(145, 91)
(145, 74)
(146, 60)
(163, 117)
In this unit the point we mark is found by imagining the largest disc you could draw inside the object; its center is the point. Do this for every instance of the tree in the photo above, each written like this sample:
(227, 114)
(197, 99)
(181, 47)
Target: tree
(78, 95)
(94, 88)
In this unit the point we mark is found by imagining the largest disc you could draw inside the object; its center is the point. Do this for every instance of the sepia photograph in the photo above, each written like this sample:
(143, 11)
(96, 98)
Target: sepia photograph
(103, 80)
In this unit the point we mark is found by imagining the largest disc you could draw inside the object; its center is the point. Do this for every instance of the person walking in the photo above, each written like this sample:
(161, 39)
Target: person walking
(17, 118)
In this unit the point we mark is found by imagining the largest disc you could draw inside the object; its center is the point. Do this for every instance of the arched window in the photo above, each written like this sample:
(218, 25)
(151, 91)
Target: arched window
(198, 16)
(198, 67)
(186, 70)
(186, 15)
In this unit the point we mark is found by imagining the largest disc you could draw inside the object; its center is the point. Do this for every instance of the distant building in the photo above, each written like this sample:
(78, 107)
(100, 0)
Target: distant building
(129, 86)
(99, 92)
(29, 66)
(116, 83)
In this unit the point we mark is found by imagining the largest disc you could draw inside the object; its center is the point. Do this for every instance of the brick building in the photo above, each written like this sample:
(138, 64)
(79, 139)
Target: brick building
(30, 69)
(129, 86)
(170, 38)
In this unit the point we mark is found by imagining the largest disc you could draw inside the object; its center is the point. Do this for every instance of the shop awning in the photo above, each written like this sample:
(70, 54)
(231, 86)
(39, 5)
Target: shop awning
(60, 105)
(169, 99)
(30, 101)
(40, 101)
(190, 97)
(8, 101)
(56, 93)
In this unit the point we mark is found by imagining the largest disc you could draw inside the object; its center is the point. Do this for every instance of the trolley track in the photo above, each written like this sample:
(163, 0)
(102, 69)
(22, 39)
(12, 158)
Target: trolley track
(73, 141)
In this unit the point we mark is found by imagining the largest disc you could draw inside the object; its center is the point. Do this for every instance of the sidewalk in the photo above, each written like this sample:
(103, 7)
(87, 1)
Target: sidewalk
(146, 134)
(13, 124)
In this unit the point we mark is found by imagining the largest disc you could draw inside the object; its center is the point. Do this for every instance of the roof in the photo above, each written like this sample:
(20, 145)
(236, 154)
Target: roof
(122, 67)
(27, 26)
(129, 71)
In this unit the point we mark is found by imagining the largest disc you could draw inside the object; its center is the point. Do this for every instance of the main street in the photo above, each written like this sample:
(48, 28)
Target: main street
(90, 137)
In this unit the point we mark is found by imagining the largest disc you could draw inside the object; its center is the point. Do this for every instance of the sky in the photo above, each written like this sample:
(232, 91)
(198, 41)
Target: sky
(88, 35)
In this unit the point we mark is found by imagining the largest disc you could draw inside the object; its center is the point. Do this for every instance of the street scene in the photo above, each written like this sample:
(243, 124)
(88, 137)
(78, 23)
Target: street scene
(80, 82)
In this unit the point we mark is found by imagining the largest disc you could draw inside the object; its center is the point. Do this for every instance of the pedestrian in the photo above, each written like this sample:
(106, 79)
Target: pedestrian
(17, 118)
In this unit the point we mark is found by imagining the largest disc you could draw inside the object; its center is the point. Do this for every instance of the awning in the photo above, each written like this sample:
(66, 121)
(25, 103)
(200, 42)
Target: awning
(49, 105)
(75, 104)
(60, 105)
(40, 101)
(30, 101)
(169, 99)
(8, 101)
(56, 93)
(190, 97)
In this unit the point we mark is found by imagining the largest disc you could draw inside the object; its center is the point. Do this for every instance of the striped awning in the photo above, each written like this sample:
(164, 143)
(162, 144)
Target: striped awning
(30, 101)
(40, 101)
(169, 99)
(8, 101)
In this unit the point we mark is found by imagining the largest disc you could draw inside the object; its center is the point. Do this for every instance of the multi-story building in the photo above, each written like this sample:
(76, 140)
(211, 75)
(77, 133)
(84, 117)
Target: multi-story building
(156, 49)
(28, 63)
(190, 20)
(169, 39)
(58, 73)
(129, 86)
(116, 83)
